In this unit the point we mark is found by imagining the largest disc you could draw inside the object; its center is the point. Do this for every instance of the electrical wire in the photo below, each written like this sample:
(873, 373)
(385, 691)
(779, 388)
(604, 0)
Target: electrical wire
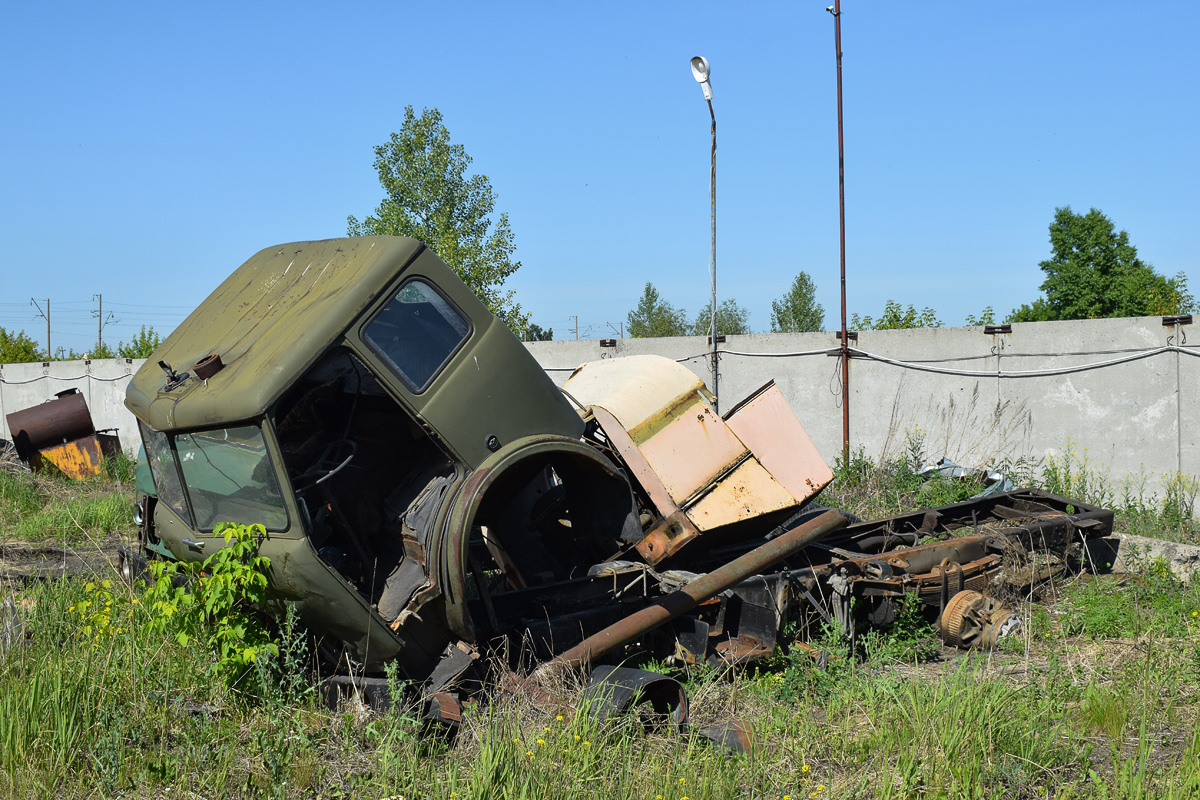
(925, 365)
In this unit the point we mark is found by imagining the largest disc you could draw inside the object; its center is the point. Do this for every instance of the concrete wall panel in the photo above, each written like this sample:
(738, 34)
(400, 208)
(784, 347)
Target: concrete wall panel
(964, 389)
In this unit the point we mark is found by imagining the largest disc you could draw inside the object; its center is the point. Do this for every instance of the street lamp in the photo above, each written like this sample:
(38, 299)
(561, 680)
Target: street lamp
(700, 72)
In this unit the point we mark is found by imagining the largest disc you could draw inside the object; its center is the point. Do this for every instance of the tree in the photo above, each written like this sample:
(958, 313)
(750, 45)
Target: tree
(894, 317)
(141, 345)
(986, 317)
(798, 311)
(430, 197)
(17, 348)
(535, 333)
(100, 351)
(1094, 272)
(732, 319)
(655, 317)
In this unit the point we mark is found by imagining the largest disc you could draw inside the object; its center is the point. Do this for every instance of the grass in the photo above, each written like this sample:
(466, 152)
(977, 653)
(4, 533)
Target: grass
(1098, 698)
(1089, 710)
(50, 506)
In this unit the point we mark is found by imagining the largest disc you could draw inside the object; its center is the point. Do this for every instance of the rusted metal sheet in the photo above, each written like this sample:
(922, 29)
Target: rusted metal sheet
(78, 459)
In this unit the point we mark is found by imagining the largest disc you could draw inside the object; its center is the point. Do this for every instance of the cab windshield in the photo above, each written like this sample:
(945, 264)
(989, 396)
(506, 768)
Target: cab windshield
(228, 477)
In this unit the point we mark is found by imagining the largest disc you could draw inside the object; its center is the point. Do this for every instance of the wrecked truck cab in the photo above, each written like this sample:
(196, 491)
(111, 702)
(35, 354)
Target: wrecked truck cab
(356, 399)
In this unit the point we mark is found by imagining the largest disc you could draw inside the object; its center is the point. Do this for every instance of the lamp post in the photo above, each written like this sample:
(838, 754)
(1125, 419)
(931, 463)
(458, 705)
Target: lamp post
(700, 72)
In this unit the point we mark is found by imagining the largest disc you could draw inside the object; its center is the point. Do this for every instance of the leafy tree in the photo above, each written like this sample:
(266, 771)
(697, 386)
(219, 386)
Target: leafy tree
(17, 348)
(986, 317)
(731, 319)
(100, 351)
(894, 317)
(655, 317)
(141, 345)
(430, 197)
(535, 333)
(1094, 272)
(798, 310)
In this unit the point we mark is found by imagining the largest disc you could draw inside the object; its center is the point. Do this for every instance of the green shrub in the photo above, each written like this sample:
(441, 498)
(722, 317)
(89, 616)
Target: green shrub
(216, 603)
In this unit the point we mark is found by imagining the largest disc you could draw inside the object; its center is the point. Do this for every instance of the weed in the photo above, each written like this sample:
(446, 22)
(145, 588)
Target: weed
(909, 638)
(216, 602)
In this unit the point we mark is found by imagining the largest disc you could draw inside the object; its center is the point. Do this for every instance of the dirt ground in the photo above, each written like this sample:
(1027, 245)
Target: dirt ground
(21, 562)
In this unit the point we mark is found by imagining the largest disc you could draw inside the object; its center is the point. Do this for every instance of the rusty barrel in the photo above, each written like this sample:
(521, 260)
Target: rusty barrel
(683, 600)
(63, 419)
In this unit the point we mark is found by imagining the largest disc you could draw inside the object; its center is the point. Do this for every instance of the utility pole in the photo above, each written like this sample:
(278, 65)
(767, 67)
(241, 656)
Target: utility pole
(576, 318)
(836, 10)
(101, 322)
(45, 316)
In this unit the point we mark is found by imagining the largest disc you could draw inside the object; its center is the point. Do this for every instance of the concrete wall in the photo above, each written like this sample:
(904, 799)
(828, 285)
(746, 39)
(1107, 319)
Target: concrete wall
(976, 397)
(101, 381)
(972, 394)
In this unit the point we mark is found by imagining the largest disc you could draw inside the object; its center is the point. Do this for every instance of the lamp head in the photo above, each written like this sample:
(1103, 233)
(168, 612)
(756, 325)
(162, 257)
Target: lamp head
(700, 71)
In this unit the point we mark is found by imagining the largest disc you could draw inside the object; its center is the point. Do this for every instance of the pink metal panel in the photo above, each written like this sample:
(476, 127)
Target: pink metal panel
(695, 448)
(766, 424)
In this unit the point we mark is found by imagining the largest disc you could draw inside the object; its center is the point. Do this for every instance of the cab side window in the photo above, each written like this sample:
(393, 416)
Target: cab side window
(417, 333)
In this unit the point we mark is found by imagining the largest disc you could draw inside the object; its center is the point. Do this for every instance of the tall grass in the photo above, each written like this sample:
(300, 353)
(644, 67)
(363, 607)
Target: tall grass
(873, 487)
(50, 506)
(107, 709)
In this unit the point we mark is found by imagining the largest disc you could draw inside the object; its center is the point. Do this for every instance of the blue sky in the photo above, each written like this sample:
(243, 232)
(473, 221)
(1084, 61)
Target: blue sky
(149, 149)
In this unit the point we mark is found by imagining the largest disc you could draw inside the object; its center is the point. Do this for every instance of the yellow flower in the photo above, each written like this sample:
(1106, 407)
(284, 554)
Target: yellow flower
(806, 769)
(559, 718)
(546, 729)
(541, 741)
(577, 737)
(1196, 613)
(681, 780)
(587, 744)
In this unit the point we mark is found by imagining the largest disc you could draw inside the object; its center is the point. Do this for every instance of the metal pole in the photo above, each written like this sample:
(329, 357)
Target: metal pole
(712, 259)
(837, 42)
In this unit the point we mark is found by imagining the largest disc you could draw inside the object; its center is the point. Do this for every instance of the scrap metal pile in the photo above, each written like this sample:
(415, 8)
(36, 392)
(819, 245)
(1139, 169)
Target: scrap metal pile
(59, 435)
(434, 502)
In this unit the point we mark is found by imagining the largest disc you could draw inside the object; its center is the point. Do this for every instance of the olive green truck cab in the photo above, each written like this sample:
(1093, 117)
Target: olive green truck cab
(425, 487)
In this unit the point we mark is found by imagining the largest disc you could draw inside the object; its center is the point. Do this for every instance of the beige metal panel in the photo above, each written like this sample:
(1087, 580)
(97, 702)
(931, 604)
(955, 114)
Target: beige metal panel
(765, 424)
(749, 491)
(637, 390)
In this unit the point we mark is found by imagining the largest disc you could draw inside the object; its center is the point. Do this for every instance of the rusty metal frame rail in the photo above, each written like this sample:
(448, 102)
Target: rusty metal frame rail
(681, 601)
